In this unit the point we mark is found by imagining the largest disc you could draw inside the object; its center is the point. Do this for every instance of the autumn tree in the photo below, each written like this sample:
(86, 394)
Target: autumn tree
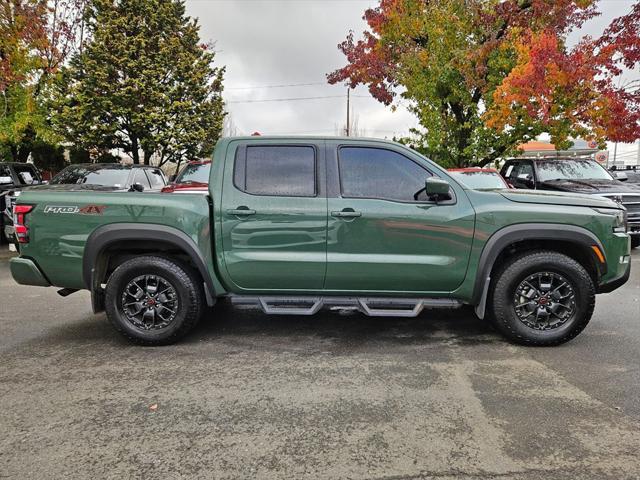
(36, 38)
(483, 76)
(144, 84)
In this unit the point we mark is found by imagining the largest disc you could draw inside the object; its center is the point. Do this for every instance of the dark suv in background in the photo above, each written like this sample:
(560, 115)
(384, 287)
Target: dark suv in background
(14, 177)
(576, 175)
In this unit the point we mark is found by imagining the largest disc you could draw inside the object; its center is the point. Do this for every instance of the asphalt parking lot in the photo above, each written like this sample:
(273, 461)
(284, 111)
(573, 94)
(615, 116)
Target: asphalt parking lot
(331, 396)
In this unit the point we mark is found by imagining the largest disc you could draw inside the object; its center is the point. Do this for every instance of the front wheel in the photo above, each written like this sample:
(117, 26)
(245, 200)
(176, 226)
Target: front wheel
(542, 298)
(153, 300)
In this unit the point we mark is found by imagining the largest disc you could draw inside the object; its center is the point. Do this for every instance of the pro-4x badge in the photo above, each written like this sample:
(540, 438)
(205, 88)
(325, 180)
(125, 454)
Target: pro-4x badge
(86, 210)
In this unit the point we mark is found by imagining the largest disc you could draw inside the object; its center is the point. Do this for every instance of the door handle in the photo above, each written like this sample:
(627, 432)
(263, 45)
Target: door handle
(241, 211)
(346, 213)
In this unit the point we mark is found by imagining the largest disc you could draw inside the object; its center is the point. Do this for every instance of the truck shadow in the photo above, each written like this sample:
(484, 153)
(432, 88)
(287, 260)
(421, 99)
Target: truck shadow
(353, 328)
(240, 328)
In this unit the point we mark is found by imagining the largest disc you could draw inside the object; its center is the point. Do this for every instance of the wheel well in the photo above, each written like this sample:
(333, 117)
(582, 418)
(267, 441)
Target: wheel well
(120, 251)
(577, 251)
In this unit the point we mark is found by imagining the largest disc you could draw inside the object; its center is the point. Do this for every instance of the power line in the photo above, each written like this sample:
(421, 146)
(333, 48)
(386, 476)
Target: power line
(257, 87)
(295, 99)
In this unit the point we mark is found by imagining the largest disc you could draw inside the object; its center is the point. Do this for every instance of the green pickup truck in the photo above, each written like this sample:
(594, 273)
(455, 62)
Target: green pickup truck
(291, 225)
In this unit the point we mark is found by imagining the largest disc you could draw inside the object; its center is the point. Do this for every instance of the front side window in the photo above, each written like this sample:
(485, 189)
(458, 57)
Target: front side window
(379, 173)
(286, 171)
(155, 178)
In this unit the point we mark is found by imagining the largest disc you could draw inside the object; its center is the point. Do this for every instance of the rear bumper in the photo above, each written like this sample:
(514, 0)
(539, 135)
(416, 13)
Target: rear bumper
(25, 272)
(8, 233)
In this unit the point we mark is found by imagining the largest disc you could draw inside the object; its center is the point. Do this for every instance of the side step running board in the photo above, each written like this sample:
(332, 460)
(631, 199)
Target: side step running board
(373, 307)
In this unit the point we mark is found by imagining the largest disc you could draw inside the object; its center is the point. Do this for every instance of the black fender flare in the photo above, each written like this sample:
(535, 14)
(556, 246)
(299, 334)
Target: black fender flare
(520, 232)
(106, 235)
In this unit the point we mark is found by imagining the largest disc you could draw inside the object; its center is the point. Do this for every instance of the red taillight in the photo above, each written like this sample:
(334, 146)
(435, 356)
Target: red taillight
(19, 224)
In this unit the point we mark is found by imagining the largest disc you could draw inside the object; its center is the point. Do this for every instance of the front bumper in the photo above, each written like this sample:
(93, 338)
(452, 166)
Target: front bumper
(618, 255)
(25, 272)
(612, 285)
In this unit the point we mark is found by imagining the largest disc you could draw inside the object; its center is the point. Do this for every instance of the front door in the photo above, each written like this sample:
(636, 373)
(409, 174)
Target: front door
(274, 213)
(384, 234)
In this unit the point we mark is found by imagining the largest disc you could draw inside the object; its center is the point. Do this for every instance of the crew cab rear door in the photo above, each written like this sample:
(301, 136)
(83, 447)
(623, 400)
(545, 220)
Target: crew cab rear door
(274, 215)
(380, 238)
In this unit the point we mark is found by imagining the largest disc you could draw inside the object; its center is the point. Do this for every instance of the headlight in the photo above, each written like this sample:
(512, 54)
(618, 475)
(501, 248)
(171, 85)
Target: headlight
(619, 218)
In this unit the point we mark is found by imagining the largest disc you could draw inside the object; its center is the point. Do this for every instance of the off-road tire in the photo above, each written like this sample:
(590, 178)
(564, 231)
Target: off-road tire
(635, 241)
(518, 269)
(186, 284)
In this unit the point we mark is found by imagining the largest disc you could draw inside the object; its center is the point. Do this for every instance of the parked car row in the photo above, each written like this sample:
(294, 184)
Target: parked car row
(102, 177)
(13, 178)
(576, 175)
(571, 174)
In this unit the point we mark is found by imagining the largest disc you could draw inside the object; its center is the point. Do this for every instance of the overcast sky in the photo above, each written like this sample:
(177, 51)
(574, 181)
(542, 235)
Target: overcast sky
(269, 43)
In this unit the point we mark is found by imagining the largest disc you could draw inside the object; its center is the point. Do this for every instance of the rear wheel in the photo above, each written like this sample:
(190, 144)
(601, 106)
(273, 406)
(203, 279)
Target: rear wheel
(635, 241)
(542, 298)
(153, 300)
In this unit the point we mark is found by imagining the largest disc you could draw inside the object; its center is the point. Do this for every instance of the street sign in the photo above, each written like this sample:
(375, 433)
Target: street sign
(602, 157)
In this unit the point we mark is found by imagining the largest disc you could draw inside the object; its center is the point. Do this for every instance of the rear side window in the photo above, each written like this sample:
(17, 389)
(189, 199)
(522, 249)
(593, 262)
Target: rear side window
(378, 173)
(156, 178)
(140, 177)
(285, 171)
(27, 174)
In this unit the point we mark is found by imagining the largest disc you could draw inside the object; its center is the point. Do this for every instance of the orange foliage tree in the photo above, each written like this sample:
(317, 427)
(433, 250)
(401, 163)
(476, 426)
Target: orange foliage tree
(483, 76)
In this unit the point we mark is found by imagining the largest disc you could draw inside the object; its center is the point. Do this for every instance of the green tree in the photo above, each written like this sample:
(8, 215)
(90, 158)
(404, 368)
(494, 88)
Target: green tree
(144, 84)
(36, 37)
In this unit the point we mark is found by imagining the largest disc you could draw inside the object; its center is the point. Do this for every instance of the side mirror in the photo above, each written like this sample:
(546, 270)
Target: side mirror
(6, 180)
(437, 187)
(137, 187)
(621, 176)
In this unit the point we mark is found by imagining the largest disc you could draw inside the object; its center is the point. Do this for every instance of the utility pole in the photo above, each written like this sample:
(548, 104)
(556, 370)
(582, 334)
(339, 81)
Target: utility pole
(348, 108)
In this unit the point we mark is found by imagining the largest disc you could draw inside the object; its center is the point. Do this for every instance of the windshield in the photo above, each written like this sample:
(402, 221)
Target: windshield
(196, 172)
(571, 170)
(480, 180)
(116, 177)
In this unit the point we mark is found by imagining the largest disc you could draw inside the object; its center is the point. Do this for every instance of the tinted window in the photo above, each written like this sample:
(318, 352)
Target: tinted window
(196, 172)
(91, 176)
(140, 177)
(26, 174)
(522, 168)
(5, 173)
(379, 173)
(277, 170)
(156, 178)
